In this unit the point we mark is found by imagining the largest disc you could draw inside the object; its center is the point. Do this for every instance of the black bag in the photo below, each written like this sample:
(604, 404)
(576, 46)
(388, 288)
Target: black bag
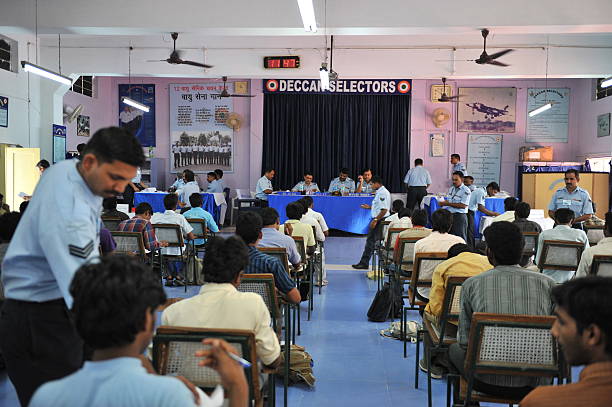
(381, 305)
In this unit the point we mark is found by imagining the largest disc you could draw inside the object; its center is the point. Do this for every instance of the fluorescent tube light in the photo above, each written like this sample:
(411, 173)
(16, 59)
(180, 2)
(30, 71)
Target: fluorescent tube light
(308, 15)
(606, 83)
(135, 104)
(540, 109)
(324, 74)
(38, 70)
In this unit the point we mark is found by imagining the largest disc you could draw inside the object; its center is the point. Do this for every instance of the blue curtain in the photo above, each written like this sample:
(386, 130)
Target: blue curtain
(324, 132)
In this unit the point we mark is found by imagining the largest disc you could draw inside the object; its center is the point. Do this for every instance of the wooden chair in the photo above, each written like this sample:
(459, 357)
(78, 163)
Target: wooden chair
(130, 243)
(514, 345)
(174, 349)
(560, 255)
(531, 247)
(601, 266)
(308, 278)
(377, 255)
(435, 340)
(594, 233)
(278, 252)
(173, 234)
(200, 231)
(111, 223)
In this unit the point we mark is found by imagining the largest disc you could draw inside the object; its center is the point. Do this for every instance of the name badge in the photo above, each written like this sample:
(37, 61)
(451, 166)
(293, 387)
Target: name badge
(567, 202)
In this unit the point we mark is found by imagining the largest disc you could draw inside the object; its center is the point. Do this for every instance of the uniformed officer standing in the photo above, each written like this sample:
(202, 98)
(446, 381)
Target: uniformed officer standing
(572, 197)
(177, 155)
(342, 183)
(306, 186)
(56, 235)
(380, 208)
(455, 160)
(417, 180)
(364, 182)
(457, 203)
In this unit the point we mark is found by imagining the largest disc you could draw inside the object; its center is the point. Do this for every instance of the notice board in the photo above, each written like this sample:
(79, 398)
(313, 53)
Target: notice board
(484, 158)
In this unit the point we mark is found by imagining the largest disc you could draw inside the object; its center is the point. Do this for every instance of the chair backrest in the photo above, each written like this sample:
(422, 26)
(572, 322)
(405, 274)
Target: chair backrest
(391, 237)
(199, 227)
(299, 243)
(129, 243)
(423, 261)
(451, 305)
(601, 266)
(226, 194)
(406, 252)
(531, 243)
(512, 345)
(243, 194)
(111, 223)
(170, 233)
(560, 255)
(594, 233)
(174, 349)
(262, 284)
(279, 253)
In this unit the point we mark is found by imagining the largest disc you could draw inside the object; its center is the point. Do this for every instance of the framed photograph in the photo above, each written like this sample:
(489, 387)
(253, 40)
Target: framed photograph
(487, 110)
(603, 125)
(83, 128)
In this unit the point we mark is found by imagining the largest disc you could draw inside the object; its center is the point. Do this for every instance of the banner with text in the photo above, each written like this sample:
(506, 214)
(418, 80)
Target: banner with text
(355, 86)
(200, 140)
(484, 158)
(550, 126)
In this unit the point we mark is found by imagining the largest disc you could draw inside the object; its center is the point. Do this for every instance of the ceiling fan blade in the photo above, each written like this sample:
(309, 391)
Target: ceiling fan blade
(198, 64)
(156, 60)
(454, 60)
(497, 63)
(500, 53)
(242, 96)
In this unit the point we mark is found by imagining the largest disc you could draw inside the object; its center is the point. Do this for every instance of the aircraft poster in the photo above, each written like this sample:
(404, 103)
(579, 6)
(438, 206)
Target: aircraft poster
(550, 126)
(487, 110)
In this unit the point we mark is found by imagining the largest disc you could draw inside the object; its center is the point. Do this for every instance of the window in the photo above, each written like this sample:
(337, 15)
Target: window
(83, 85)
(600, 92)
(8, 54)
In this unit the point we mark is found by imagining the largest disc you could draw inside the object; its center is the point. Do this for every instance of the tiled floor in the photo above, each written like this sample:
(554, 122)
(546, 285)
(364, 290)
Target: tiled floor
(354, 365)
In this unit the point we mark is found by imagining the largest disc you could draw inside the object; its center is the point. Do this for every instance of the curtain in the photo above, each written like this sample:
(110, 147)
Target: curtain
(323, 133)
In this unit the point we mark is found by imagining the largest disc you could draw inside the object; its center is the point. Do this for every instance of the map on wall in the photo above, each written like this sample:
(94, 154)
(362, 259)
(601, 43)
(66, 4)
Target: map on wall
(487, 110)
(552, 125)
(200, 140)
(484, 158)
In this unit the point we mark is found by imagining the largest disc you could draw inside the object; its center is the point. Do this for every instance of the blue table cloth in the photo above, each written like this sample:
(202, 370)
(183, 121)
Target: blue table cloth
(340, 212)
(492, 204)
(156, 200)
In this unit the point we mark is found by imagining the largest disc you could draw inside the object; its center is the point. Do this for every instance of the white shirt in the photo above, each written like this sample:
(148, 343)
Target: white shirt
(313, 222)
(175, 219)
(186, 190)
(222, 306)
(319, 217)
(382, 200)
(404, 223)
(604, 247)
(560, 232)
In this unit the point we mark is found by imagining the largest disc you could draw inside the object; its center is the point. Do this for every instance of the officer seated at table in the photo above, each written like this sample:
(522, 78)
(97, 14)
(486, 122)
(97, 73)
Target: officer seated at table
(342, 184)
(306, 186)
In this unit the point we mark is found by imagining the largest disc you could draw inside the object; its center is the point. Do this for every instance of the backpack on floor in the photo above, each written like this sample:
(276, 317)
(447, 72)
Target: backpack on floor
(380, 309)
(300, 366)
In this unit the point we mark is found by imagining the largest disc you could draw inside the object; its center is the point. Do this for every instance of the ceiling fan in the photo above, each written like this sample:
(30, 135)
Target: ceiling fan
(485, 58)
(444, 97)
(175, 57)
(225, 94)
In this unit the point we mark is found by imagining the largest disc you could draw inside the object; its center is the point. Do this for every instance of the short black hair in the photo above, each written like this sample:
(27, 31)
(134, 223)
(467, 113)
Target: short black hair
(494, 186)
(248, 226)
(308, 200)
(143, 208)
(109, 204)
(457, 249)
(404, 213)
(23, 206)
(219, 173)
(212, 174)
(189, 175)
(267, 170)
(81, 147)
(269, 216)
(441, 221)
(115, 143)
(308, 172)
(418, 161)
(111, 299)
(510, 203)
(397, 205)
(294, 210)
(457, 156)
(522, 210)
(458, 173)
(572, 171)
(224, 259)
(564, 215)
(376, 179)
(468, 177)
(304, 205)
(588, 301)
(505, 241)
(170, 201)
(43, 164)
(195, 200)
(8, 225)
(366, 169)
(344, 170)
(419, 217)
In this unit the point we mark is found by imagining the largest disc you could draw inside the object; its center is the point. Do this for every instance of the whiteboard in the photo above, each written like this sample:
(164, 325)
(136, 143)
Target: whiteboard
(484, 158)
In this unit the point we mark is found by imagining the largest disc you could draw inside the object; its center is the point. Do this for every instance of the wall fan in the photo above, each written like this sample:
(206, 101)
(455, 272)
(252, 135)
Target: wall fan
(440, 116)
(70, 113)
(233, 121)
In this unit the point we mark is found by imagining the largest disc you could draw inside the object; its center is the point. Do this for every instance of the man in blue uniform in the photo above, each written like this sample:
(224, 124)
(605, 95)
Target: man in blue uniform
(364, 182)
(342, 184)
(306, 186)
(455, 160)
(264, 187)
(477, 203)
(417, 180)
(458, 200)
(56, 235)
(380, 208)
(572, 197)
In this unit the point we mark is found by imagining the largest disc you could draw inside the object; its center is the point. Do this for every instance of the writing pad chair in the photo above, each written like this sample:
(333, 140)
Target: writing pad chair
(280, 253)
(304, 276)
(378, 257)
(111, 223)
(435, 339)
(130, 243)
(510, 345)
(594, 233)
(174, 349)
(531, 247)
(200, 231)
(601, 266)
(560, 255)
(173, 234)
(387, 252)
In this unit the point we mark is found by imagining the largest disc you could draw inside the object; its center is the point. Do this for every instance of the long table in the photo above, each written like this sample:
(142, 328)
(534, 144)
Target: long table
(156, 200)
(340, 212)
(493, 204)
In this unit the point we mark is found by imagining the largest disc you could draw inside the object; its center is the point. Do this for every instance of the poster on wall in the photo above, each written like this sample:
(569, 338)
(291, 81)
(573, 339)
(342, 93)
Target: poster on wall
(603, 125)
(436, 145)
(200, 139)
(141, 124)
(487, 110)
(484, 158)
(83, 128)
(552, 125)
(4, 111)
(59, 143)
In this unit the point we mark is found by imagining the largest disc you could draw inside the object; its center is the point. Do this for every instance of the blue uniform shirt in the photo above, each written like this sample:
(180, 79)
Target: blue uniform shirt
(179, 183)
(302, 187)
(56, 235)
(199, 213)
(263, 184)
(382, 200)
(214, 186)
(417, 177)
(578, 201)
(458, 195)
(348, 185)
(222, 184)
(460, 167)
(366, 188)
(477, 198)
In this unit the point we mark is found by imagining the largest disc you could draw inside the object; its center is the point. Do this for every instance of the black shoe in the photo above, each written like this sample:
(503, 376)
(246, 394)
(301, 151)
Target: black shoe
(360, 266)
(179, 283)
(169, 283)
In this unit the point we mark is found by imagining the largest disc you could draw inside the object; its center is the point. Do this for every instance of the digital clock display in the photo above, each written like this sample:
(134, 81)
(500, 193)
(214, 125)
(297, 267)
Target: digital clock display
(282, 62)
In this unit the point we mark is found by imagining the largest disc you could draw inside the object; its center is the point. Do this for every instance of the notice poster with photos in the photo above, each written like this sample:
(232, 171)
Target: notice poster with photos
(200, 140)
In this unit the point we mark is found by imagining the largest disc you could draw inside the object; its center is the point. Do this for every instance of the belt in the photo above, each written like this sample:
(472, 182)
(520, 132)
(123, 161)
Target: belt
(56, 302)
